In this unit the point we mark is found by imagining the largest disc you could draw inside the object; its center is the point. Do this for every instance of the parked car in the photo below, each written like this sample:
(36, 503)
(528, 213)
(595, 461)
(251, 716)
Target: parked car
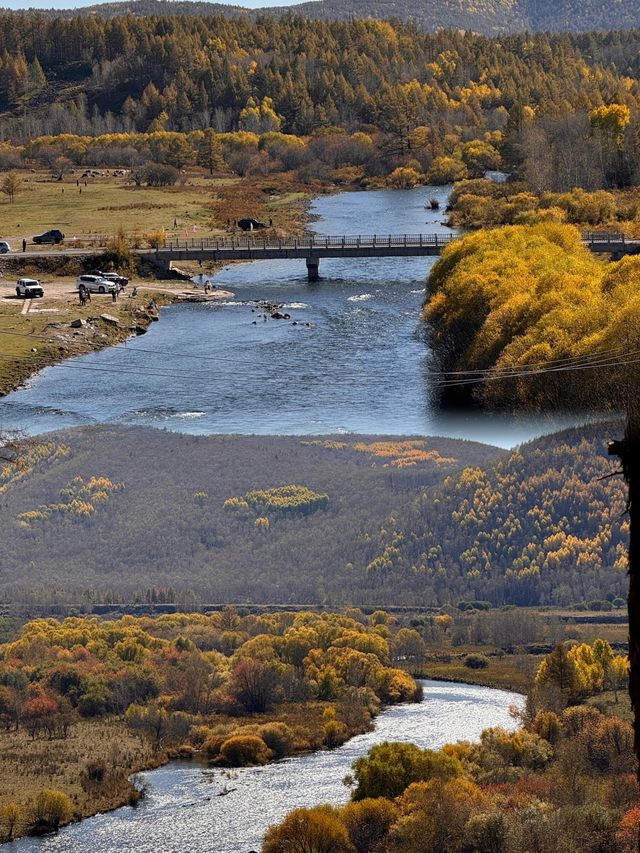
(121, 280)
(4, 247)
(29, 288)
(52, 236)
(250, 224)
(96, 284)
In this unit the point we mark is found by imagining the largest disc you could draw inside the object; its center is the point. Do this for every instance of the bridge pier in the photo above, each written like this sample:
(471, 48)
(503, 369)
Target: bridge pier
(313, 269)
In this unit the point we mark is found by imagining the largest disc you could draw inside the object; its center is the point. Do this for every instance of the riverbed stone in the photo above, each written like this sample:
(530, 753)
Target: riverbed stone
(109, 318)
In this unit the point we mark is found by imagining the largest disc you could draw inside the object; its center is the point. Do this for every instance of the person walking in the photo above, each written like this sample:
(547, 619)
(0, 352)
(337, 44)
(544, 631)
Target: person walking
(114, 294)
(24, 245)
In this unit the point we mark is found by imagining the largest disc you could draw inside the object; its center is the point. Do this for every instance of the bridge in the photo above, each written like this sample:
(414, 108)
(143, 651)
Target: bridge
(253, 247)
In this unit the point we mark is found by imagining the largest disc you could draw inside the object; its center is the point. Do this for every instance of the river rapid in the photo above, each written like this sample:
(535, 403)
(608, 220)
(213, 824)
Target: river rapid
(362, 364)
(183, 811)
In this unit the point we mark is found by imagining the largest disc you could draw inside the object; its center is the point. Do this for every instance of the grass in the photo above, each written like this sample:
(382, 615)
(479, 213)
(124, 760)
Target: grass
(505, 672)
(18, 360)
(281, 199)
(28, 766)
(616, 704)
(107, 204)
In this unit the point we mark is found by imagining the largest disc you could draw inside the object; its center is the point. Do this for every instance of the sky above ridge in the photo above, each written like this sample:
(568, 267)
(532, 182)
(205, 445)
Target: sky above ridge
(76, 4)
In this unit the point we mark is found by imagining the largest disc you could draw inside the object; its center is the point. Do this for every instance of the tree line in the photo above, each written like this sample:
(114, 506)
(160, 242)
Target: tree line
(420, 98)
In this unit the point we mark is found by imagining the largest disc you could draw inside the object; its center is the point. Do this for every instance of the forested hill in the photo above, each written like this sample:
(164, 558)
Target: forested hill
(482, 16)
(91, 76)
(114, 514)
(489, 17)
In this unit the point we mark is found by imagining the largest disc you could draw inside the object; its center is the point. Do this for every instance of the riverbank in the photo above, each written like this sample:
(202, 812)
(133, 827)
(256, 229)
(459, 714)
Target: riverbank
(202, 205)
(497, 670)
(38, 333)
(94, 764)
(185, 804)
(29, 765)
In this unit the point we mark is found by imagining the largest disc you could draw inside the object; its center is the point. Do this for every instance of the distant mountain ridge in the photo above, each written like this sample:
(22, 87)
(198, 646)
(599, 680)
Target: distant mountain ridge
(489, 17)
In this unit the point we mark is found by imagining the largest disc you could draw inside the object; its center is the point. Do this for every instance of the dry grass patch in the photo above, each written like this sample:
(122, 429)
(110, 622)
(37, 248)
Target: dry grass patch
(507, 672)
(28, 766)
(105, 205)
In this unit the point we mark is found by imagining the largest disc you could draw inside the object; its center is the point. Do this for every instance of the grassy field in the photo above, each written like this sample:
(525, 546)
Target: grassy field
(200, 206)
(505, 672)
(107, 204)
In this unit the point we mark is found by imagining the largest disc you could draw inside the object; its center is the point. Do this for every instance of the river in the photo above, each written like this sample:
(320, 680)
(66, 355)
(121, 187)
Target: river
(361, 365)
(182, 812)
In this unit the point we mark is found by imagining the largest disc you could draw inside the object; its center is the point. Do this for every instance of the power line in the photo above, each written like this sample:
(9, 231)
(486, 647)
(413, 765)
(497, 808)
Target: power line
(593, 365)
(472, 374)
(119, 370)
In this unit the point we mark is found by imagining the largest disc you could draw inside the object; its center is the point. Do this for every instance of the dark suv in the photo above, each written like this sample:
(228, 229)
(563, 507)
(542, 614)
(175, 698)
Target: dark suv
(53, 236)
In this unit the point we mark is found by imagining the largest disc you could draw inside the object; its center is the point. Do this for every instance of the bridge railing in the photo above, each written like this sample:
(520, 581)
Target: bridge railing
(347, 241)
(592, 237)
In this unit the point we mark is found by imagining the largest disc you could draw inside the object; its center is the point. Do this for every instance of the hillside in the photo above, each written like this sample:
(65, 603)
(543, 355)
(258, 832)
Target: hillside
(107, 513)
(487, 16)
(95, 76)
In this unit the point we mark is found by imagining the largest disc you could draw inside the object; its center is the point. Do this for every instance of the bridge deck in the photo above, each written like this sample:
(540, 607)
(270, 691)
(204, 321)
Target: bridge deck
(348, 246)
(254, 247)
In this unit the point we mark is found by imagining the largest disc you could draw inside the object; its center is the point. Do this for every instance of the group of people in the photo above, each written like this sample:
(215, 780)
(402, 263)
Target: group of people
(84, 294)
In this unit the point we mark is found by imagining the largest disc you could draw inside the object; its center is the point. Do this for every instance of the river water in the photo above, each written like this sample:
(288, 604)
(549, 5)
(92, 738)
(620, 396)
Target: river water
(362, 365)
(183, 812)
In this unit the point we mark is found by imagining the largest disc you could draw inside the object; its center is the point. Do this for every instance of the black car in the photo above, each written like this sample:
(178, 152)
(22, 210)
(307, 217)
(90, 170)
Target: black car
(53, 236)
(251, 224)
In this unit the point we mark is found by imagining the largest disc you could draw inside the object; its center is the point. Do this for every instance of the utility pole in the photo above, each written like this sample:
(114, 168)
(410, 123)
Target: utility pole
(628, 451)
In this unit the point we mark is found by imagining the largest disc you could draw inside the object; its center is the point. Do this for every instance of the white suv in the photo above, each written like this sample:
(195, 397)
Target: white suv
(4, 247)
(29, 288)
(96, 284)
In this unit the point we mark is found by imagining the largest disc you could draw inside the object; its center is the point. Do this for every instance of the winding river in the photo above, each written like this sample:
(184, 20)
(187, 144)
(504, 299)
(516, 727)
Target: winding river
(183, 811)
(361, 365)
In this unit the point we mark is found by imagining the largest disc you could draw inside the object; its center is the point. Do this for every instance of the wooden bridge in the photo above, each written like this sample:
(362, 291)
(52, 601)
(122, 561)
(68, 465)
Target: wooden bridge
(253, 247)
